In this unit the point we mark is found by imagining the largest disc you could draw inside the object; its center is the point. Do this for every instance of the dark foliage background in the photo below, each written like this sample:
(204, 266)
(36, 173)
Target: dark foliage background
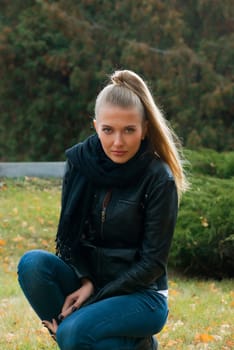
(55, 56)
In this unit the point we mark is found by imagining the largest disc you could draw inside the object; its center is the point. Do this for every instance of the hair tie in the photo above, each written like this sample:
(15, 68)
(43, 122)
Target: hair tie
(117, 80)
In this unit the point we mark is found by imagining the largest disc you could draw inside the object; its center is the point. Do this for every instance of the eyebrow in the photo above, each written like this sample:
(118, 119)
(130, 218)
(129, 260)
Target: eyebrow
(126, 126)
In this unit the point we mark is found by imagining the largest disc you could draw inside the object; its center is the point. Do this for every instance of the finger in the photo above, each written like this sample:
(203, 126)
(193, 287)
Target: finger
(48, 325)
(52, 326)
(65, 313)
(69, 301)
(66, 310)
(60, 317)
(69, 311)
(55, 325)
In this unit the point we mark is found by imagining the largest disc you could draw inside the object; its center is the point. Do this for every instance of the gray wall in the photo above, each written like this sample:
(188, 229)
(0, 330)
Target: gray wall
(32, 169)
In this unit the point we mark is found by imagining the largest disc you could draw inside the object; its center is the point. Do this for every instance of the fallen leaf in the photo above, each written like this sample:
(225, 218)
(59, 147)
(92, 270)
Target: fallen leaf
(213, 287)
(230, 344)
(204, 222)
(9, 337)
(2, 242)
(172, 343)
(41, 220)
(32, 229)
(24, 224)
(174, 292)
(45, 242)
(3, 186)
(204, 338)
(172, 283)
(18, 239)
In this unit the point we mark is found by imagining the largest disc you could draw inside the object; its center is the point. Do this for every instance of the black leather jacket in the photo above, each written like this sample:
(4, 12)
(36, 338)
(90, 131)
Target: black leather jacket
(125, 244)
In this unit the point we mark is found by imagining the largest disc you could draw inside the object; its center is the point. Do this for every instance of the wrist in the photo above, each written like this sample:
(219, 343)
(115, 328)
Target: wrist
(85, 282)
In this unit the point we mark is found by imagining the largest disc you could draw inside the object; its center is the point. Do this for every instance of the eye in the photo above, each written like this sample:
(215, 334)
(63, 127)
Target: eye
(129, 130)
(107, 130)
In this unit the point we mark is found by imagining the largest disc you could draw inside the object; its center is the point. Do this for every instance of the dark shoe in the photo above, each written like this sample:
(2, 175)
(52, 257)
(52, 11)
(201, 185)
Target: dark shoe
(149, 343)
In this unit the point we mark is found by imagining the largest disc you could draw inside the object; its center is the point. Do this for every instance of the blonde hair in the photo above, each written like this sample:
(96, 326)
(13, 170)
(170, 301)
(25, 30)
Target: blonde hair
(127, 89)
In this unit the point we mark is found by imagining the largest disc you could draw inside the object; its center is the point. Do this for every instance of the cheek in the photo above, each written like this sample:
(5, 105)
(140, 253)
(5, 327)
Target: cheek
(105, 141)
(135, 144)
(138, 139)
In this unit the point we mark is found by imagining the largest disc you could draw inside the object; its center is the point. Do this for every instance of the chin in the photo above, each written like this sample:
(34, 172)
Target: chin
(119, 161)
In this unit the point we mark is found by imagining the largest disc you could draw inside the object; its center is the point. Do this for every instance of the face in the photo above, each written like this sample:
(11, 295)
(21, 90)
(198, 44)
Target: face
(120, 131)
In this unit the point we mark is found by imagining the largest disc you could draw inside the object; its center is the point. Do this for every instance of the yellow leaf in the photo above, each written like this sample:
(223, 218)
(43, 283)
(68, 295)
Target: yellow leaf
(204, 222)
(165, 329)
(204, 338)
(2, 242)
(172, 283)
(45, 242)
(174, 292)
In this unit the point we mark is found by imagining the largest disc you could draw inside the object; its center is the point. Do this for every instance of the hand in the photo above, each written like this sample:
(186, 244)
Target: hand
(77, 298)
(52, 326)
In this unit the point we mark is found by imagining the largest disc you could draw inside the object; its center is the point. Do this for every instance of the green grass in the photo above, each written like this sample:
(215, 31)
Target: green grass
(201, 312)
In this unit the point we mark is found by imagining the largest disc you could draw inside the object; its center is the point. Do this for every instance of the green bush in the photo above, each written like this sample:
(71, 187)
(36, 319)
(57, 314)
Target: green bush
(204, 239)
(210, 162)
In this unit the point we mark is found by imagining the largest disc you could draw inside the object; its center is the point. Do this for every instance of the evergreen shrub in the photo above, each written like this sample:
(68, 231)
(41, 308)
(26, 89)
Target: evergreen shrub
(203, 243)
(211, 162)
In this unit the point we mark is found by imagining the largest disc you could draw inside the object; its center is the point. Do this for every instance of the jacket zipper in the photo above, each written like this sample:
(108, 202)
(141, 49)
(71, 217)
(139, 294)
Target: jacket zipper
(105, 203)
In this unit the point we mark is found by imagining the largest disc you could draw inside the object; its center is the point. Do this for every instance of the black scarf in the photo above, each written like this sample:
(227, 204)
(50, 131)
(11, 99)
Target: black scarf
(92, 168)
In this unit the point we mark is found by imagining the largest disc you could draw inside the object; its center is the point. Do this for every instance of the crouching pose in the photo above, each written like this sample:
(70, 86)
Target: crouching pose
(106, 287)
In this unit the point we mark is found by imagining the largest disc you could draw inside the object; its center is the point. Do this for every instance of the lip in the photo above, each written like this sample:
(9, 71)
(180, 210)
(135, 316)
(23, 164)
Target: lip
(119, 153)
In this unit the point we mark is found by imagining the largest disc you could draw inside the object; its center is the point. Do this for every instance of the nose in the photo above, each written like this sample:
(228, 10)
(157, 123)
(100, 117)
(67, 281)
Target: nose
(118, 140)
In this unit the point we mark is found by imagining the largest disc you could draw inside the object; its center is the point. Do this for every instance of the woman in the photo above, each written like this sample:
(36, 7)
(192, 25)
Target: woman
(106, 287)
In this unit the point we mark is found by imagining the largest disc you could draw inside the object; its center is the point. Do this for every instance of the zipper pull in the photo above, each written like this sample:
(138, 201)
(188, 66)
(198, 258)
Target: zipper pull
(105, 203)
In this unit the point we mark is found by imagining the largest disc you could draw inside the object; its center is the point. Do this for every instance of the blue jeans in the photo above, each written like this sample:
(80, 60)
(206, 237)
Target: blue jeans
(124, 322)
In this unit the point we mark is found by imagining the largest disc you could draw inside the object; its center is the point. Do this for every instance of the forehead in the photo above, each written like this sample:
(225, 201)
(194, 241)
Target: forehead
(116, 115)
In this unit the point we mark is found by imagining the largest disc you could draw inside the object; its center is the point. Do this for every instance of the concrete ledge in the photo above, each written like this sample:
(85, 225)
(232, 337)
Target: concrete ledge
(32, 169)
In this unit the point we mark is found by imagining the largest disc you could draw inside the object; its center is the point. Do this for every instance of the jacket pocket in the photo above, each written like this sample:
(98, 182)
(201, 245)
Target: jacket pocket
(115, 261)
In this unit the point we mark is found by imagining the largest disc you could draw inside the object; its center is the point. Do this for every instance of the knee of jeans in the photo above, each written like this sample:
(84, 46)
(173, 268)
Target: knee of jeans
(32, 262)
(68, 338)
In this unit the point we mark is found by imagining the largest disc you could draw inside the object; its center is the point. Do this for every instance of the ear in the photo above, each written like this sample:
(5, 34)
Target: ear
(95, 124)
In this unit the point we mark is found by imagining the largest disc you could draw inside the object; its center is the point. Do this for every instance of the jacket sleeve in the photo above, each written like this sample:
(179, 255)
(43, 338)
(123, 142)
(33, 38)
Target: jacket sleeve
(160, 217)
